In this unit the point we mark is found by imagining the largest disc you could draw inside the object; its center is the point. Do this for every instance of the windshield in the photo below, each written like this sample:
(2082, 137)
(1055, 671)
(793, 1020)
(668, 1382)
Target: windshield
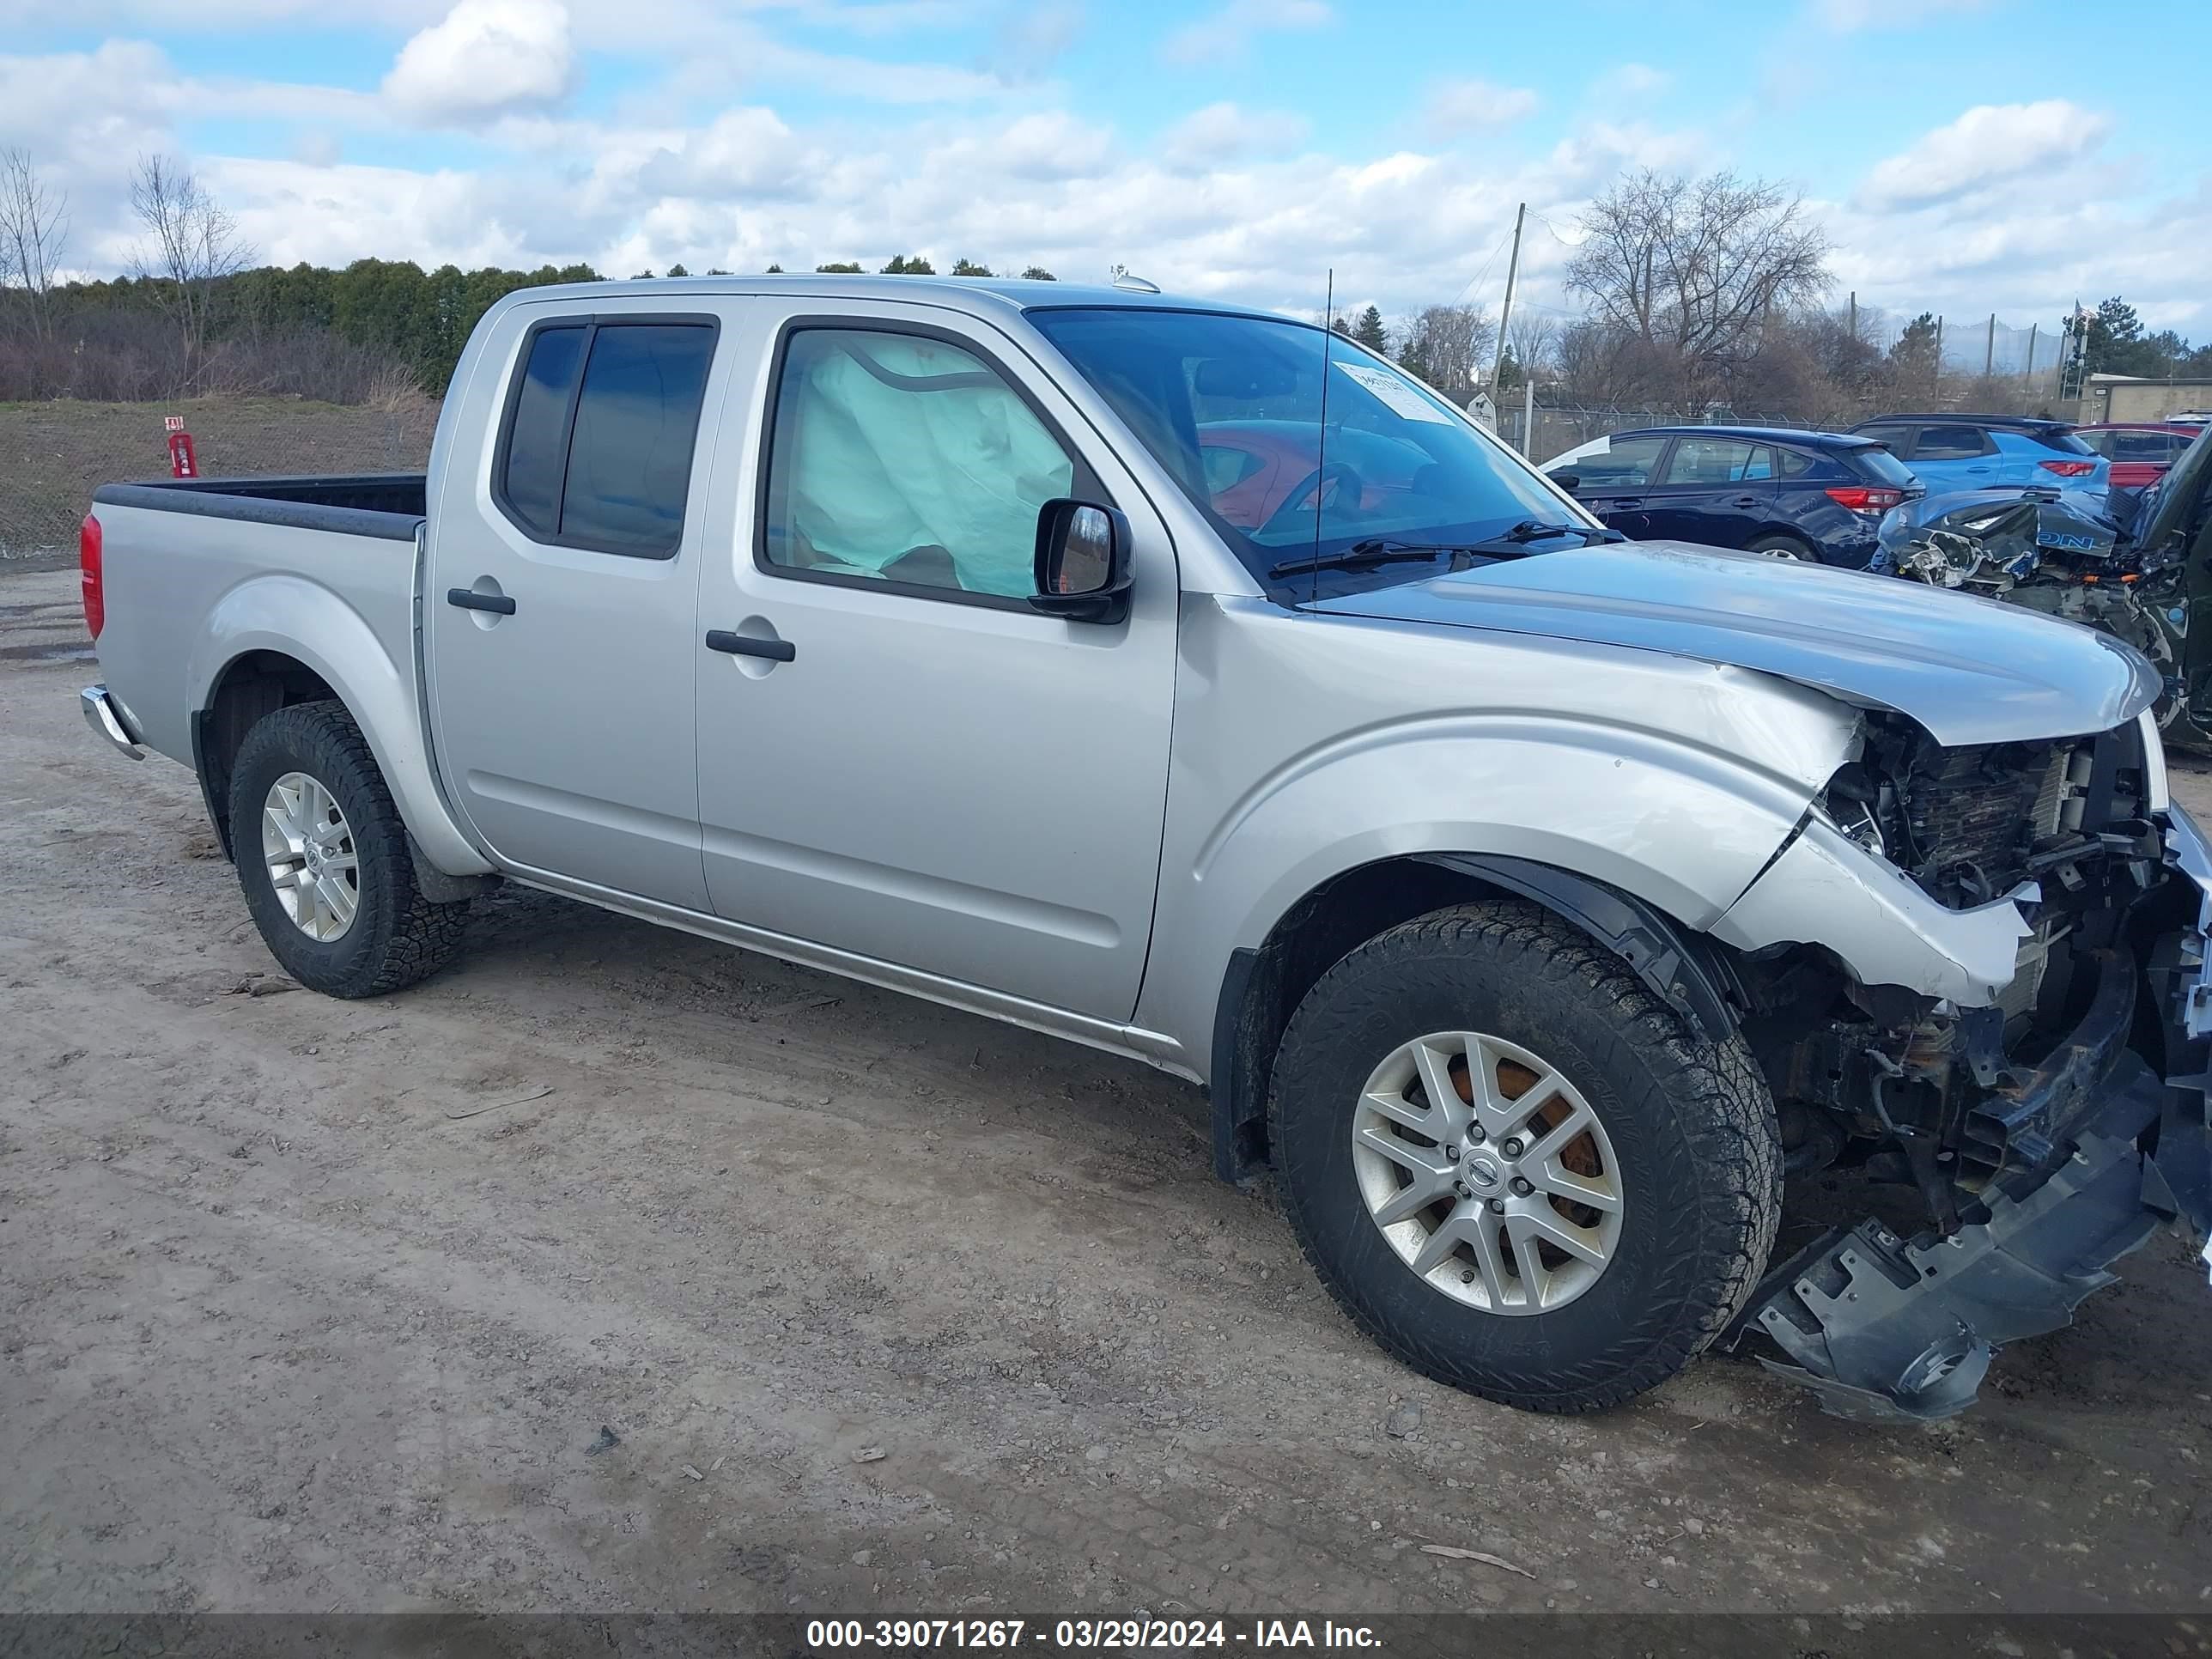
(1231, 407)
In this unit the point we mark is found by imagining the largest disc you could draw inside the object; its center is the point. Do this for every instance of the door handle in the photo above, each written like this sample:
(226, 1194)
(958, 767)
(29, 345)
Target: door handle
(739, 645)
(1745, 501)
(1620, 501)
(468, 599)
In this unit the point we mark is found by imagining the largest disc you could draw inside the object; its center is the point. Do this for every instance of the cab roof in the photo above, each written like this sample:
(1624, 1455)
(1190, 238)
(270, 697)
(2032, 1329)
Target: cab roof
(977, 296)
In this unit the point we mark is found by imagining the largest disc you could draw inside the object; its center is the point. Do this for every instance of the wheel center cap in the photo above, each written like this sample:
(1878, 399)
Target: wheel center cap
(1481, 1172)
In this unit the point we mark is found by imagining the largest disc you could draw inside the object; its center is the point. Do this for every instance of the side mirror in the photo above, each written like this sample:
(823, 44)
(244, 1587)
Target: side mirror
(1082, 562)
(1570, 482)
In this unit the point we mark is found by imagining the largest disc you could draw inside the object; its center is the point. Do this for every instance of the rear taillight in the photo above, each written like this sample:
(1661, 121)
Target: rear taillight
(2068, 469)
(1865, 498)
(88, 559)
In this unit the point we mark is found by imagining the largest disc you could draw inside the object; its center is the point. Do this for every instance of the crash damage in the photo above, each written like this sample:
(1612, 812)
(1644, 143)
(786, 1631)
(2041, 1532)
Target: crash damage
(1978, 973)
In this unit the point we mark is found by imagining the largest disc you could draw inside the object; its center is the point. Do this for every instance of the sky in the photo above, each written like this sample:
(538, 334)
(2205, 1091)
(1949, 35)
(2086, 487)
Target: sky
(1963, 156)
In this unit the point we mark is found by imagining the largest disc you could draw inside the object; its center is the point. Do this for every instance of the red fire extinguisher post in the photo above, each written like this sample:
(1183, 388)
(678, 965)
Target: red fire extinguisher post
(182, 463)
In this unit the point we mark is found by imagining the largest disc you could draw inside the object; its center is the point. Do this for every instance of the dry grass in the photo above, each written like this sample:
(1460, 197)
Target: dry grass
(52, 455)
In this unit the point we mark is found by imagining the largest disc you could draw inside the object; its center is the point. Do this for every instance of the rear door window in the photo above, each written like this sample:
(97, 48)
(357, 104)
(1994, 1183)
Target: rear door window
(1897, 438)
(597, 448)
(1714, 461)
(1952, 443)
(1796, 463)
(2158, 447)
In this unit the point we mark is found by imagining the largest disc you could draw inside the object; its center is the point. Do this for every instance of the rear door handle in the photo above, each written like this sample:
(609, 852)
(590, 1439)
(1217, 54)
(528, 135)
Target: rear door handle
(468, 599)
(1745, 501)
(738, 644)
(1620, 501)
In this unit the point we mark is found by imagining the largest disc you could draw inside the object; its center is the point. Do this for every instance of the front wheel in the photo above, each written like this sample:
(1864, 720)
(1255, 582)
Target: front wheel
(324, 860)
(1514, 1167)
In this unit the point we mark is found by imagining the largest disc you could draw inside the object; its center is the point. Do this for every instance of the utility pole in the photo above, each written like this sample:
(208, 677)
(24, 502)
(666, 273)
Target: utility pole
(1989, 351)
(1528, 412)
(2029, 378)
(1505, 311)
(1939, 347)
(1855, 316)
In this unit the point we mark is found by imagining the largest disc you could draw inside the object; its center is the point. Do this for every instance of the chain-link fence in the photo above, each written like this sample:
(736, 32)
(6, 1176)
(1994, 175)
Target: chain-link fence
(53, 455)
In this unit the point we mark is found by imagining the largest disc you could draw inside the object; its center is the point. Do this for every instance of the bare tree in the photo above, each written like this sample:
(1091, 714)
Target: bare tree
(1694, 268)
(1531, 340)
(1448, 346)
(34, 231)
(193, 242)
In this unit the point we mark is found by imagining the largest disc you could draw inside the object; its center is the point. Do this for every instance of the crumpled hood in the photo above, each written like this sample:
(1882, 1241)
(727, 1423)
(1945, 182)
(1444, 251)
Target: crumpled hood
(1970, 669)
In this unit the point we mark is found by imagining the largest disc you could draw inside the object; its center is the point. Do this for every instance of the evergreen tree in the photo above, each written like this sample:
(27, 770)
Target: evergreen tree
(851, 268)
(909, 266)
(969, 268)
(1369, 332)
(1039, 274)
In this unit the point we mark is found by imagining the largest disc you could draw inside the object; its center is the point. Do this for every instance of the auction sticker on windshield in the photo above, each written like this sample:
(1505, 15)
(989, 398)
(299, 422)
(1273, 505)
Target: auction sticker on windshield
(1395, 394)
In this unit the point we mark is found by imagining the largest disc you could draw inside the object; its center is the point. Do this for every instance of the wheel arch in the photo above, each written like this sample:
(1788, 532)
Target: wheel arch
(281, 640)
(1263, 985)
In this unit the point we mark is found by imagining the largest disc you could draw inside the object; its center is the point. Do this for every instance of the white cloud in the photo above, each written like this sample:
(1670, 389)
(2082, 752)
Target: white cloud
(1848, 16)
(1630, 80)
(1469, 105)
(1226, 33)
(485, 59)
(1989, 144)
(1207, 137)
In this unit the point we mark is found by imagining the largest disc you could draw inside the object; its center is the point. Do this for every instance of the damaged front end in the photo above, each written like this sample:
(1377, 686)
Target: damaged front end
(1978, 973)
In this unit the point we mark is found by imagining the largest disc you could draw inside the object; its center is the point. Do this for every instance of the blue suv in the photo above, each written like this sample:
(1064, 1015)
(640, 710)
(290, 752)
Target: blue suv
(1977, 451)
(1814, 495)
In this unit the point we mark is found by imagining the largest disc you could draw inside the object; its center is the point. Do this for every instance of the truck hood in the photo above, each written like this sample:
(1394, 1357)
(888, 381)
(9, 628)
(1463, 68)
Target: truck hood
(1969, 669)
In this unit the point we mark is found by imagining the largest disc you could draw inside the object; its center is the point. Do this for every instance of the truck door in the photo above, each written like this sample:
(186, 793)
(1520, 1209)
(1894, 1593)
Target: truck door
(899, 758)
(559, 606)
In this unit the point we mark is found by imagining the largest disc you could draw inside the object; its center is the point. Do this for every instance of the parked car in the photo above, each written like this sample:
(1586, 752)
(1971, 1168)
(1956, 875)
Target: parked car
(1812, 495)
(1526, 904)
(1969, 451)
(2139, 451)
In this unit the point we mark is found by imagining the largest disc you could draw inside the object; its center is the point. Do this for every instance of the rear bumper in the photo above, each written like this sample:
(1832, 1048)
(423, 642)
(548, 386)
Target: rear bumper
(103, 716)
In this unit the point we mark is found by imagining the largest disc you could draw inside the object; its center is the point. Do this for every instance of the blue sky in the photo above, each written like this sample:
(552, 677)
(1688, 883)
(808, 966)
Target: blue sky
(1955, 150)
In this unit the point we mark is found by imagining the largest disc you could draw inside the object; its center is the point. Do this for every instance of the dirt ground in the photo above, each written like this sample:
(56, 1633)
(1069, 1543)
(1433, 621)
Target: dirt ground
(308, 1305)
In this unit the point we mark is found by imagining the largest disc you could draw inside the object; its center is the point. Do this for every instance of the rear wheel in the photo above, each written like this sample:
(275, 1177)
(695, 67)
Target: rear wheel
(1785, 547)
(324, 860)
(1514, 1167)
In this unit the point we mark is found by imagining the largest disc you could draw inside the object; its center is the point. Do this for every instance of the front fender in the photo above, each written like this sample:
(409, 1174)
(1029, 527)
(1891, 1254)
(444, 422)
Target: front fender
(1682, 827)
(302, 619)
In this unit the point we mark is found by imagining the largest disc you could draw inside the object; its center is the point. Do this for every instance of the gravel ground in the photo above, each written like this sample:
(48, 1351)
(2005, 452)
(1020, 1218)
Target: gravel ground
(614, 1270)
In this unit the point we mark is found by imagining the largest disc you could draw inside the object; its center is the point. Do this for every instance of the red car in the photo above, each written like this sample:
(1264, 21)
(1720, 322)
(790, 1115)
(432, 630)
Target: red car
(1253, 468)
(2140, 450)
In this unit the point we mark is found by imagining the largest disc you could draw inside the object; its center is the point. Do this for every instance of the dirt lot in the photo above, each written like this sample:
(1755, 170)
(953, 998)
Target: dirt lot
(308, 1305)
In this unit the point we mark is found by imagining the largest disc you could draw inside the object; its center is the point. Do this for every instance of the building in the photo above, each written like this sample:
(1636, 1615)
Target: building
(2124, 397)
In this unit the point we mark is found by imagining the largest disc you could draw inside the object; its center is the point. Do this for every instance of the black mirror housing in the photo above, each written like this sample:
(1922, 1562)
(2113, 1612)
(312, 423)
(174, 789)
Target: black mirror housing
(1570, 482)
(1082, 566)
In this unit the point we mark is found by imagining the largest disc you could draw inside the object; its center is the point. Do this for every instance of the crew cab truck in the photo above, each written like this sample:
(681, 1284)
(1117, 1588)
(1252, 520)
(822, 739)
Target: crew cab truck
(1526, 904)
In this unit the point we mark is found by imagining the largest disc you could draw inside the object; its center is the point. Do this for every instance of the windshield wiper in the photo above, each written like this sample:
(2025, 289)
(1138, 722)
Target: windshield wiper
(1508, 545)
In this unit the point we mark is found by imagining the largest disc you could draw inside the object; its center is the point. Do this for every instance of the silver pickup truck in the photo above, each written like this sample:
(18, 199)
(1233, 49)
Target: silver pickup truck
(1190, 682)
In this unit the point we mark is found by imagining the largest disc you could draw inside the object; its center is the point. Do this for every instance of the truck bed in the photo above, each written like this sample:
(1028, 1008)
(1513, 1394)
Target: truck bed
(385, 506)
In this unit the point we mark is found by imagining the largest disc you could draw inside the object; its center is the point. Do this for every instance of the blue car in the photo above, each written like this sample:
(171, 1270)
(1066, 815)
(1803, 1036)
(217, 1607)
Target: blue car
(1819, 497)
(1975, 451)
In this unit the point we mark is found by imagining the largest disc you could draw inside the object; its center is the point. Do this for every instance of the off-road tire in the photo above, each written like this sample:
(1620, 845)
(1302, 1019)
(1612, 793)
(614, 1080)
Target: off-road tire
(1691, 1120)
(397, 936)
